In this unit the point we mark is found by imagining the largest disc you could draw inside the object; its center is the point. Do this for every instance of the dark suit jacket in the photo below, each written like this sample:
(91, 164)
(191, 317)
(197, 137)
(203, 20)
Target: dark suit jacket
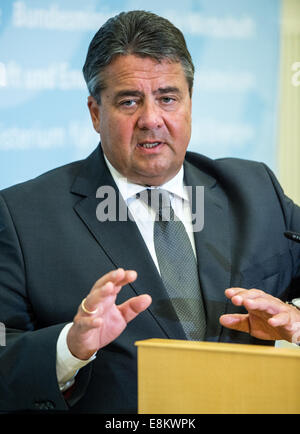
(53, 249)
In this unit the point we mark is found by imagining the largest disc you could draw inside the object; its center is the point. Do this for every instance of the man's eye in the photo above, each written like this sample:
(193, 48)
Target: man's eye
(167, 100)
(128, 103)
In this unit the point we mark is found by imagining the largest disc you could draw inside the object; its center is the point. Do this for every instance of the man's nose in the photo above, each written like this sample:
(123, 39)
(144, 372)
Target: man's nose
(150, 116)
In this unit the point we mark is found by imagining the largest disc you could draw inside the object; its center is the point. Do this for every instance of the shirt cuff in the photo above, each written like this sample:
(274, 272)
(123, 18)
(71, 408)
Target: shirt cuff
(67, 365)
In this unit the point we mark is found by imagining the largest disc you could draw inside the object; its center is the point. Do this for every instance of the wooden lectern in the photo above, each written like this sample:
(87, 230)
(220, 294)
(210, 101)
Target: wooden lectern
(184, 377)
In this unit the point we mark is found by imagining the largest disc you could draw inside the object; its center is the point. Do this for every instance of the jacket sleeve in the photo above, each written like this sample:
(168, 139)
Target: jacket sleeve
(27, 354)
(291, 212)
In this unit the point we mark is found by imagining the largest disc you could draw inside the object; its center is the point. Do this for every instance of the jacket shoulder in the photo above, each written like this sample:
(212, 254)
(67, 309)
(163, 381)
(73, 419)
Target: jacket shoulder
(53, 180)
(225, 162)
(228, 167)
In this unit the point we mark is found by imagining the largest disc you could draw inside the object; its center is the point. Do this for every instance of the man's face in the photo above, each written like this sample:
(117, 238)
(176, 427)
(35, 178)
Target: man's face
(144, 118)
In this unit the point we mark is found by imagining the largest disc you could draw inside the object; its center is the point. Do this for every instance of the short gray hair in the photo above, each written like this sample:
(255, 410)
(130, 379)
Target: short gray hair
(141, 33)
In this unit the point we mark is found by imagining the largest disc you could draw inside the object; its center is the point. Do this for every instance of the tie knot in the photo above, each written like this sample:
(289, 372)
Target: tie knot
(159, 200)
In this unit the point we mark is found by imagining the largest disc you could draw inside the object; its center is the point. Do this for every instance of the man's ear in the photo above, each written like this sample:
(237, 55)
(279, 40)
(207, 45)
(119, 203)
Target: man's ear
(94, 112)
(191, 94)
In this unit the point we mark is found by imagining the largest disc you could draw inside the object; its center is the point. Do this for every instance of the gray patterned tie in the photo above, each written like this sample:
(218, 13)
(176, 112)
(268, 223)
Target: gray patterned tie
(178, 266)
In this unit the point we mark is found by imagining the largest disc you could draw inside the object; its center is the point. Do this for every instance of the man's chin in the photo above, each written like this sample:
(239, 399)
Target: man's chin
(153, 178)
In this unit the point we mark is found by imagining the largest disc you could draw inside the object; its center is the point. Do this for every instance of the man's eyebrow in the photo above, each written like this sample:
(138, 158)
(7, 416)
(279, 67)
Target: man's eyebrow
(137, 93)
(168, 89)
(128, 93)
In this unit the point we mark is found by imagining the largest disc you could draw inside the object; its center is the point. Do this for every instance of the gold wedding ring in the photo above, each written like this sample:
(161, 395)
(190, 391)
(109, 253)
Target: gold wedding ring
(89, 312)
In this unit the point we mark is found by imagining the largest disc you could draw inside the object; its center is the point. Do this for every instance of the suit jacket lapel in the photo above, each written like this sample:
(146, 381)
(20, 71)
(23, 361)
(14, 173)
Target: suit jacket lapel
(212, 247)
(122, 242)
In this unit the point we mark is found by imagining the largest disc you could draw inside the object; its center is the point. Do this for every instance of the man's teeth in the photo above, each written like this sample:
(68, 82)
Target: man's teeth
(149, 145)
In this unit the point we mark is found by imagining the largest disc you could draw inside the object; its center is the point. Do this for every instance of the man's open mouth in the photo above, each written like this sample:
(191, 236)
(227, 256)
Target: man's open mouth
(149, 145)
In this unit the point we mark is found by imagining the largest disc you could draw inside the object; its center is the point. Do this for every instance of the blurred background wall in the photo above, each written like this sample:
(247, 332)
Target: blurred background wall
(289, 100)
(247, 83)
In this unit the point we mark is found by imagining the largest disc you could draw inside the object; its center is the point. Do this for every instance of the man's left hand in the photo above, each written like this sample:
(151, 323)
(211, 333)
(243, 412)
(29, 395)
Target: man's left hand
(268, 317)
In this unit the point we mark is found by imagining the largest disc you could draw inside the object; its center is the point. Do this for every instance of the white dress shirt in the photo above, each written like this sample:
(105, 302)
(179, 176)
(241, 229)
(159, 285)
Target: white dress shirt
(144, 216)
(67, 365)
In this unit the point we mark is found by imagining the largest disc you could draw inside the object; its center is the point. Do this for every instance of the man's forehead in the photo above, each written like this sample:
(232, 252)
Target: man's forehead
(131, 69)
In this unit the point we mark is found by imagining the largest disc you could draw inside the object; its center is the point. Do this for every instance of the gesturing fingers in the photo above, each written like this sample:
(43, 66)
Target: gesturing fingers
(118, 277)
(239, 295)
(268, 317)
(93, 303)
(105, 290)
(255, 300)
(99, 320)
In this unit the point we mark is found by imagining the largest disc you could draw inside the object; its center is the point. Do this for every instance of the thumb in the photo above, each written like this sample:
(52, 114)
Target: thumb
(135, 305)
(236, 321)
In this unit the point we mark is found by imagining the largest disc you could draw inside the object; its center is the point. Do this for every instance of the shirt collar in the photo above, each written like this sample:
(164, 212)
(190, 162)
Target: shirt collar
(129, 190)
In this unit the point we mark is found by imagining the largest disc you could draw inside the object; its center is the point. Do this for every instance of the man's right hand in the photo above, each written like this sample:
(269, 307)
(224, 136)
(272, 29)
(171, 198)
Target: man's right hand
(90, 332)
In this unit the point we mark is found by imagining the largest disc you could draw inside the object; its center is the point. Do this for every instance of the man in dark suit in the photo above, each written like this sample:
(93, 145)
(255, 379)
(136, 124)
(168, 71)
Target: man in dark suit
(70, 341)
